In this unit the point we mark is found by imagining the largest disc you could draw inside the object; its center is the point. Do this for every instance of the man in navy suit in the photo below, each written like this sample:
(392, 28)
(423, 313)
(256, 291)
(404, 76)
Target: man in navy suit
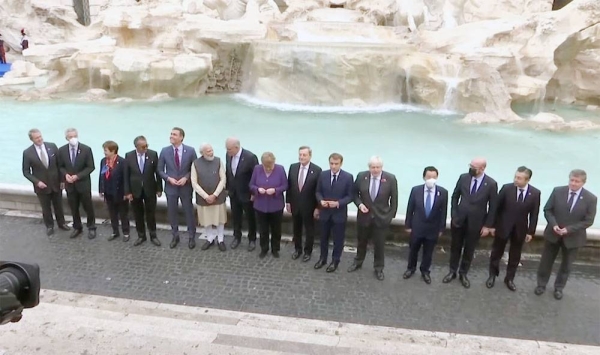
(334, 193)
(425, 221)
(174, 167)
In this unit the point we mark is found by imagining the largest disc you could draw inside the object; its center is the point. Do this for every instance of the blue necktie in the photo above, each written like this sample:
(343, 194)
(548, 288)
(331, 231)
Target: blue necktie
(428, 203)
(73, 155)
(474, 188)
(141, 163)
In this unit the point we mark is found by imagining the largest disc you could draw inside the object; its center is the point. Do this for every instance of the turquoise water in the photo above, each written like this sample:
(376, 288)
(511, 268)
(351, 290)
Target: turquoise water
(407, 141)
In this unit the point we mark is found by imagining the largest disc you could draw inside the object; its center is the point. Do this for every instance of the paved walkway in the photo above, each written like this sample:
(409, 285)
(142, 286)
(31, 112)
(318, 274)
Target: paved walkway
(238, 281)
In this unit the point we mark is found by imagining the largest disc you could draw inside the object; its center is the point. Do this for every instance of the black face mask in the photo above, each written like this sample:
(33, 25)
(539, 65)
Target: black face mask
(473, 172)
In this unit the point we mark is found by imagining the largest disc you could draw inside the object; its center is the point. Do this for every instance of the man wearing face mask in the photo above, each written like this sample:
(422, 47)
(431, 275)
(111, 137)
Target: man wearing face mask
(473, 208)
(516, 220)
(76, 163)
(570, 211)
(376, 196)
(425, 222)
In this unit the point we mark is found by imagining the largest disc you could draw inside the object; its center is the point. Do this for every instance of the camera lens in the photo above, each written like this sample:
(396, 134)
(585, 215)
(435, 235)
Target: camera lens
(15, 281)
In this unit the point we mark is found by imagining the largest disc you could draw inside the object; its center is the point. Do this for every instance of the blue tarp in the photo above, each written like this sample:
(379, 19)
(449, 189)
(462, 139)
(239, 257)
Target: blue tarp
(4, 68)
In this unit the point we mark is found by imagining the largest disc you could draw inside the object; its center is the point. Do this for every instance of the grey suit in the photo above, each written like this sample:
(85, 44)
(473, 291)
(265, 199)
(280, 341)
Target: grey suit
(576, 220)
(166, 169)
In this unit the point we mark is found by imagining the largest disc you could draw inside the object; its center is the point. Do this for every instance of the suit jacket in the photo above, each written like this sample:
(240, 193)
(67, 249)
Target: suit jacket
(166, 169)
(421, 225)
(82, 167)
(304, 201)
(342, 192)
(512, 214)
(115, 185)
(238, 186)
(277, 180)
(383, 209)
(576, 221)
(35, 171)
(478, 208)
(147, 181)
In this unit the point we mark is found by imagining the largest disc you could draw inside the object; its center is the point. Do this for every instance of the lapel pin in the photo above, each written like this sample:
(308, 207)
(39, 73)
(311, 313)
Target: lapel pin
(438, 193)
(485, 184)
(581, 197)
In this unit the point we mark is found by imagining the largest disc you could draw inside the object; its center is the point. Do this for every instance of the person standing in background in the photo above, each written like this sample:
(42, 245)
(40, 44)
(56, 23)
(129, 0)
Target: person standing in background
(2, 51)
(111, 186)
(24, 40)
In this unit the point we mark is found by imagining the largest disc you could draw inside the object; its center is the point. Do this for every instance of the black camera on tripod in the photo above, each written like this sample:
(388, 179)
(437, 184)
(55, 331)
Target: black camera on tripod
(19, 289)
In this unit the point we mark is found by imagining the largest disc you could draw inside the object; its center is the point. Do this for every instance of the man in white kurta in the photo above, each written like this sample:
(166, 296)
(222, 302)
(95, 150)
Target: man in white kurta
(208, 181)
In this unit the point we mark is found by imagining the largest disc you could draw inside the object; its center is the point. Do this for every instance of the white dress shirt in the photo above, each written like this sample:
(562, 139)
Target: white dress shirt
(42, 152)
(479, 179)
(525, 189)
(576, 197)
(235, 161)
(425, 193)
(377, 181)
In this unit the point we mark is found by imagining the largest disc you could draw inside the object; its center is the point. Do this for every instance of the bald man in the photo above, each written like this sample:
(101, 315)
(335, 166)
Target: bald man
(473, 208)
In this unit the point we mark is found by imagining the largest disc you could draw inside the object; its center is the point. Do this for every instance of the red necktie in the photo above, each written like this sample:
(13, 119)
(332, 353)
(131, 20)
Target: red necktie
(177, 162)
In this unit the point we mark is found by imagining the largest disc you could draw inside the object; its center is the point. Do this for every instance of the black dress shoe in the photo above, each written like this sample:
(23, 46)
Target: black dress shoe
(355, 266)
(207, 245)
(251, 245)
(192, 243)
(64, 227)
(174, 242)
(222, 246)
(49, 231)
(491, 281)
(113, 237)
(126, 238)
(306, 257)
(275, 254)
(91, 234)
(379, 275)
(155, 241)
(464, 281)
(139, 241)
(511, 285)
(408, 274)
(426, 278)
(235, 243)
(448, 278)
(332, 267)
(75, 233)
(262, 254)
(558, 294)
(320, 263)
(296, 255)
(539, 290)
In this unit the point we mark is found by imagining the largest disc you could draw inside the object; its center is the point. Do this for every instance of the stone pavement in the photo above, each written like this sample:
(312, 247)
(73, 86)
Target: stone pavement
(238, 281)
(72, 323)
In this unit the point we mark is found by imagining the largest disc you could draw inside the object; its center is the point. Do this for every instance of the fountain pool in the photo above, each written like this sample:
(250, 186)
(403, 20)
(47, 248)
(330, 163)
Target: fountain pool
(407, 140)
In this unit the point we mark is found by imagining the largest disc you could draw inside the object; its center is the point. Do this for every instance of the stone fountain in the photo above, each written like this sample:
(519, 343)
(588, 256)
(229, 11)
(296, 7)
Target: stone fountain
(469, 56)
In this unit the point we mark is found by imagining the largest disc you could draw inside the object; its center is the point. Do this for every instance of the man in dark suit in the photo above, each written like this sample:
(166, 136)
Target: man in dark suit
(174, 167)
(301, 201)
(570, 210)
(473, 205)
(40, 166)
(76, 163)
(376, 196)
(516, 220)
(239, 166)
(142, 186)
(334, 193)
(425, 222)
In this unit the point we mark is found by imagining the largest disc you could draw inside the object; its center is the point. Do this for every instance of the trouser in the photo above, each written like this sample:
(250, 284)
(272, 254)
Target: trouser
(377, 235)
(338, 229)
(428, 245)
(462, 248)
(144, 210)
(269, 225)
(49, 201)
(173, 212)
(238, 209)
(213, 232)
(83, 199)
(118, 209)
(304, 219)
(514, 254)
(548, 256)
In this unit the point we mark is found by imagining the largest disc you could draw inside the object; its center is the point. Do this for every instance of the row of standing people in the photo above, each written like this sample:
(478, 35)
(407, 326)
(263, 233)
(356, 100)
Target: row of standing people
(256, 191)
(24, 45)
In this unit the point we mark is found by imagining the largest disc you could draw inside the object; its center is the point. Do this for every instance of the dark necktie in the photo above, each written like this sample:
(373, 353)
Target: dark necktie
(334, 179)
(428, 203)
(474, 188)
(73, 155)
(571, 199)
(177, 161)
(521, 195)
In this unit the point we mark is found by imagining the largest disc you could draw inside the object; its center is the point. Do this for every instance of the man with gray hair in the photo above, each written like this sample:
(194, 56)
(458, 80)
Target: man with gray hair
(570, 210)
(208, 181)
(376, 196)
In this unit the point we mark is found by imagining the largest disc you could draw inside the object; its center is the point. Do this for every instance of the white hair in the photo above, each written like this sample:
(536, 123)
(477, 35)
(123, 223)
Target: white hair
(375, 160)
(233, 141)
(204, 146)
(71, 130)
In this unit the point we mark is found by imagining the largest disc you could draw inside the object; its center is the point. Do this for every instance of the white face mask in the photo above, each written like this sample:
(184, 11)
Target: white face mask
(430, 183)
(73, 141)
